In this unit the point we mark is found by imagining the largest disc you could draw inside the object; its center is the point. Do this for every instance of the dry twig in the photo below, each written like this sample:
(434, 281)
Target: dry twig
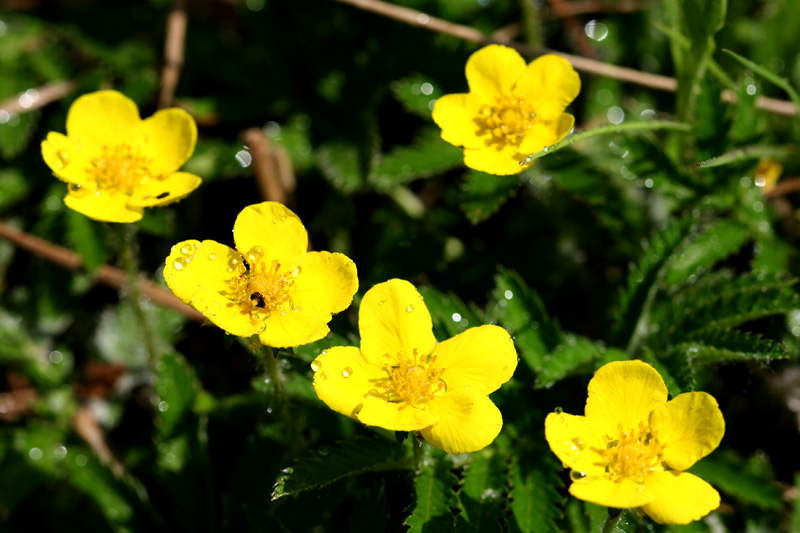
(46, 94)
(107, 275)
(275, 179)
(173, 53)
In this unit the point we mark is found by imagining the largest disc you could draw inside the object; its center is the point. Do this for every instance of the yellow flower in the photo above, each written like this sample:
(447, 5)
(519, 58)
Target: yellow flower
(403, 380)
(632, 446)
(512, 110)
(269, 285)
(115, 163)
(768, 172)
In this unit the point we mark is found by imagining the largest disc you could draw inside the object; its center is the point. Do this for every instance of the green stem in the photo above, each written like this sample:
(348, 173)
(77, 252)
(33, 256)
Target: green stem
(133, 292)
(531, 23)
(611, 128)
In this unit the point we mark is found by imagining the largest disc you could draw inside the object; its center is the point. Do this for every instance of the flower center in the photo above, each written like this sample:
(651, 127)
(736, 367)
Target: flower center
(263, 287)
(414, 380)
(119, 168)
(508, 120)
(634, 454)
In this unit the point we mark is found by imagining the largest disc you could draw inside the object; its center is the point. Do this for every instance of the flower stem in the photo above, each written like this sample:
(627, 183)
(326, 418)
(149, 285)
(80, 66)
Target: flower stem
(133, 292)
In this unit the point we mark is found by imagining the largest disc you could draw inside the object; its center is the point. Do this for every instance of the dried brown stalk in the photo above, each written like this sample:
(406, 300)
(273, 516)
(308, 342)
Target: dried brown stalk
(107, 275)
(46, 94)
(584, 64)
(173, 53)
(266, 166)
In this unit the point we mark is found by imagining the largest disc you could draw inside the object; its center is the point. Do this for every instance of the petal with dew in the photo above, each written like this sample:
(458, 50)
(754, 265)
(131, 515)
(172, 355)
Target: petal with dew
(550, 84)
(193, 265)
(275, 229)
(394, 318)
(103, 206)
(624, 392)
(500, 160)
(343, 378)
(394, 416)
(469, 421)
(690, 426)
(326, 283)
(680, 498)
(102, 118)
(290, 328)
(67, 162)
(164, 191)
(620, 494)
(168, 139)
(494, 70)
(546, 133)
(575, 440)
(480, 358)
(225, 313)
(456, 114)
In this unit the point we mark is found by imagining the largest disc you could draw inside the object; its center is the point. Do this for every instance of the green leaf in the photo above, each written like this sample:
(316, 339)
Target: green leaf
(642, 278)
(535, 499)
(354, 457)
(749, 152)
(625, 127)
(719, 346)
(428, 155)
(717, 242)
(482, 194)
(434, 495)
(521, 312)
(16, 133)
(177, 389)
(13, 188)
(625, 522)
(88, 238)
(417, 94)
(483, 492)
(568, 358)
(795, 517)
(449, 313)
(750, 481)
(782, 83)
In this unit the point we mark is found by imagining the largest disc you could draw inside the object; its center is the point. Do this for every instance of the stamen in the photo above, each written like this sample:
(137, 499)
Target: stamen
(508, 120)
(263, 288)
(415, 380)
(633, 455)
(119, 169)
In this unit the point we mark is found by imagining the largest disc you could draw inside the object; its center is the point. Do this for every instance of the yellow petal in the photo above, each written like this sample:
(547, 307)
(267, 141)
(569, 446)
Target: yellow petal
(550, 84)
(393, 318)
(168, 139)
(574, 440)
(104, 206)
(480, 359)
(326, 283)
(679, 498)
(624, 392)
(469, 421)
(494, 159)
(225, 313)
(275, 229)
(65, 159)
(160, 192)
(546, 133)
(102, 118)
(345, 394)
(690, 426)
(493, 70)
(456, 114)
(620, 494)
(286, 329)
(394, 416)
(193, 265)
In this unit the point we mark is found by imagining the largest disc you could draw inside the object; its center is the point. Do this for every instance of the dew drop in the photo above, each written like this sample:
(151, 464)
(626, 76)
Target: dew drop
(574, 475)
(558, 410)
(211, 257)
(179, 264)
(185, 250)
(63, 158)
(578, 442)
(409, 308)
(347, 372)
(324, 375)
(170, 276)
(316, 364)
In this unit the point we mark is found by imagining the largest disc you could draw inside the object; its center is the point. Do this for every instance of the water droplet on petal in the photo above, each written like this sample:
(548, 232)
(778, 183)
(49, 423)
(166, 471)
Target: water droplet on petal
(574, 475)
(558, 410)
(211, 257)
(316, 364)
(409, 308)
(347, 372)
(324, 375)
(179, 264)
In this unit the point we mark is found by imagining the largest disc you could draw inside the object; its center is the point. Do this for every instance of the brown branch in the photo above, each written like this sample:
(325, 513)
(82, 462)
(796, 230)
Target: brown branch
(87, 426)
(584, 64)
(265, 166)
(574, 27)
(107, 275)
(44, 95)
(174, 46)
(583, 7)
(784, 187)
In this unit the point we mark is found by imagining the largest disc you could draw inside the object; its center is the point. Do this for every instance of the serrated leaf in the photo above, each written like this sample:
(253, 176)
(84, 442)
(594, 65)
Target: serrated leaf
(535, 499)
(565, 359)
(768, 75)
(717, 242)
(417, 94)
(177, 389)
(642, 278)
(449, 312)
(483, 492)
(88, 238)
(720, 346)
(625, 522)
(730, 473)
(434, 495)
(747, 153)
(427, 155)
(483, 194)
(351, 458)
